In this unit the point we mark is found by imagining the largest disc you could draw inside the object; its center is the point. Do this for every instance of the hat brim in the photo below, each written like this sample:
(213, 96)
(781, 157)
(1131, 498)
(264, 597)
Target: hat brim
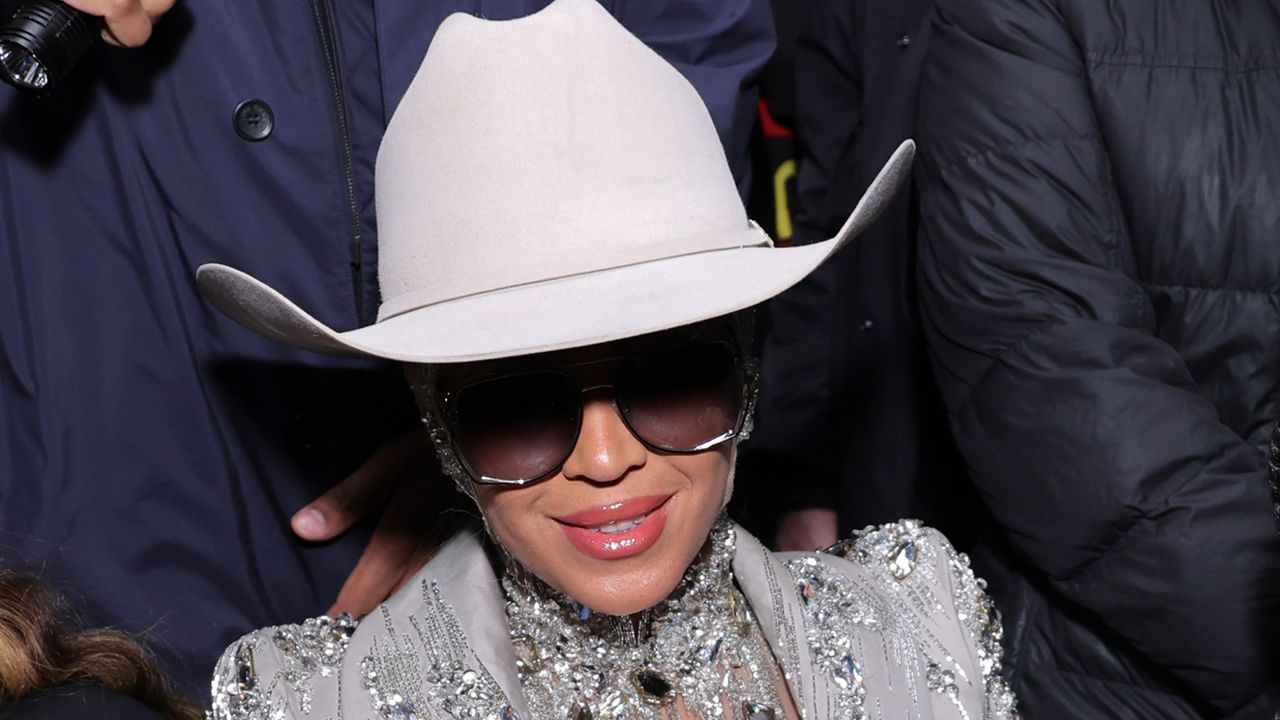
(562, 313)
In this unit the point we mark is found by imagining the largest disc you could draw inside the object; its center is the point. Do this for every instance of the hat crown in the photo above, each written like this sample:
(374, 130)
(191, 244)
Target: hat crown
(543, 147)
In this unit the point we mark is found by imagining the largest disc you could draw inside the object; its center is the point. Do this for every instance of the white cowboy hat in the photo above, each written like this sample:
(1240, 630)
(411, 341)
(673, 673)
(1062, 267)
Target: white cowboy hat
(546, 183)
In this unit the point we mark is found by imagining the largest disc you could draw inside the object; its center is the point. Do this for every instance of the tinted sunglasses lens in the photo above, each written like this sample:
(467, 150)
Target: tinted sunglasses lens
(682, 398)
(517, 428)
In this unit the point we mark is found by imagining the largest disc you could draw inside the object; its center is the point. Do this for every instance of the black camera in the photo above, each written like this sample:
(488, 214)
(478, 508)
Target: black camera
(42, 42)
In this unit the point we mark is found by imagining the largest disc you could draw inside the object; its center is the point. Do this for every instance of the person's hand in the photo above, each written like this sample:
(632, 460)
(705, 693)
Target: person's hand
(404, 470)
(806, 529)
(128, 22)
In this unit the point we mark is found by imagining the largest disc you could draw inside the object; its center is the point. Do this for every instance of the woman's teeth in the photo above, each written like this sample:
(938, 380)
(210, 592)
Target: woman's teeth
(621, 526)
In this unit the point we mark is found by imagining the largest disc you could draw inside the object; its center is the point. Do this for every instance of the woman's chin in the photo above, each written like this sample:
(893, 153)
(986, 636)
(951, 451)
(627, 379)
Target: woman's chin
(624, 601)
(631, 585)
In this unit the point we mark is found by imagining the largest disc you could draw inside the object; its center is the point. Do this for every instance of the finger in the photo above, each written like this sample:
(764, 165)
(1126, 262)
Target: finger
(422, 552)
(357, 495)
(374, 577)
(103, 8)
(130, 32)
(156, 8)
(394, 553)
(127, 22)
(806, 529)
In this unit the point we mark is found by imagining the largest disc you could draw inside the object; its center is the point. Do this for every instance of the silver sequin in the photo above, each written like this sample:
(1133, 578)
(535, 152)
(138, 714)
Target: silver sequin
(702, 645)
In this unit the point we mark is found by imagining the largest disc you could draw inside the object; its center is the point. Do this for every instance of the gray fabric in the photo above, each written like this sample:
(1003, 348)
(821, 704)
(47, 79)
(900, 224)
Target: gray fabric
(918, 623)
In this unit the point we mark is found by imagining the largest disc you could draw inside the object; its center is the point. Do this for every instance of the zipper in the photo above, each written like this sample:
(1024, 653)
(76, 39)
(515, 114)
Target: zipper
(328, 49)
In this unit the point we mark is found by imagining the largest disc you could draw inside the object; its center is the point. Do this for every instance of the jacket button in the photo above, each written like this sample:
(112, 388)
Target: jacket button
(904, 41)
(254, 120)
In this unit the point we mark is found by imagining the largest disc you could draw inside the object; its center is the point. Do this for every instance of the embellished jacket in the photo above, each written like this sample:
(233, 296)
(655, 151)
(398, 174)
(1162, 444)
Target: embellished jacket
(889, 624)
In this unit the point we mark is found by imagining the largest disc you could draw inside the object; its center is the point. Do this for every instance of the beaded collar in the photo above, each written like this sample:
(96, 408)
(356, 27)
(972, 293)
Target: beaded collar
(697, 654)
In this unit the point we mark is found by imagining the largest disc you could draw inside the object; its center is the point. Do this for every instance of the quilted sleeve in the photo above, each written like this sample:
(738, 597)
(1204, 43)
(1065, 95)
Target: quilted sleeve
(1082, 428)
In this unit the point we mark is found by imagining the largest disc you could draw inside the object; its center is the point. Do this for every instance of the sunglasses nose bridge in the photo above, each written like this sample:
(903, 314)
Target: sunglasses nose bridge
(605, 447)
(636, 392)
(597, 389)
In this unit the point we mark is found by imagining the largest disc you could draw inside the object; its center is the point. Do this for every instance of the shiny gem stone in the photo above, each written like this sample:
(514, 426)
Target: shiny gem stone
(843, 549)
(807, 591)
(848, 674)
(757, 711)
(397, 708)
(246, 678)
(904, 559)
(654, 685)
(714, 651)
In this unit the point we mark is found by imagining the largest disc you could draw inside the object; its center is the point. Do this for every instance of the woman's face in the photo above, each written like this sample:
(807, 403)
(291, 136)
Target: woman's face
(617, 524)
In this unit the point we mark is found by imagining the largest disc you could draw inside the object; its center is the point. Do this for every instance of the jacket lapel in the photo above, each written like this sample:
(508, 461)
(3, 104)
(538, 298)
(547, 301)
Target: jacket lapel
(769, 589)
(466, 582)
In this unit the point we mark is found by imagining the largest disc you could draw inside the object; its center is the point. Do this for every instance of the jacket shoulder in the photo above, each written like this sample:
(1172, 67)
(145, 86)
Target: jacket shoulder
(282, 671)
(905, 582)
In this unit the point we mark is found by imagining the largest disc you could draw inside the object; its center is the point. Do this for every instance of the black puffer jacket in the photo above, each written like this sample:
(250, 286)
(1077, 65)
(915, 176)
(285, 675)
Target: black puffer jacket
(1100, 269)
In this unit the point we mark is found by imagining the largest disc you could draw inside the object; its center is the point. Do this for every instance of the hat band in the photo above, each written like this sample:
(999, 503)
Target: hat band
(753, 236)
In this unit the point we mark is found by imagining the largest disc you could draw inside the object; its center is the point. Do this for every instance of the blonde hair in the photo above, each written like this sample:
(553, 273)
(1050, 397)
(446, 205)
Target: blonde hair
(42, 646)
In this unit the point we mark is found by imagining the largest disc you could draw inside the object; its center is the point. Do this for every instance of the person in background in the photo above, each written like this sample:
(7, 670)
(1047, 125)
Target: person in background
(1098, 272)
(51, 668)
(843, 355)
(149, 457)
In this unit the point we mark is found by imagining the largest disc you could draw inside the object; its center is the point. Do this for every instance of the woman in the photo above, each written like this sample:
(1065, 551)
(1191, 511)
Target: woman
(565, 265)
(52, 669)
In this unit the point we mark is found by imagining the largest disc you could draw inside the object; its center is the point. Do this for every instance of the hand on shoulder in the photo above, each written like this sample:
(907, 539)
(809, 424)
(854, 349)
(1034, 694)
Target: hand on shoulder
(128, 22)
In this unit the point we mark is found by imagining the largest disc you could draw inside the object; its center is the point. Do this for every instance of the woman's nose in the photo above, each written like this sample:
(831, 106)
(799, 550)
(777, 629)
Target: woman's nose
(606, 449)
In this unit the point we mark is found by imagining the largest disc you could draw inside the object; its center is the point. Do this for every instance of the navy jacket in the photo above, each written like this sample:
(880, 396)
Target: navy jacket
(1099, 275)
(78, 701)
(151, 451)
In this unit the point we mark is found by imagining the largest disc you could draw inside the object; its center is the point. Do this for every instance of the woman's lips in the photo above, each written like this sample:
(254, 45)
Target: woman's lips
(619, 530)
(614, 512)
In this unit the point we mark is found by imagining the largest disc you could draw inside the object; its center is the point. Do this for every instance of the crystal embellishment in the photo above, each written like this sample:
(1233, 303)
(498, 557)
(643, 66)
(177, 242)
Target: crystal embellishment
(701, 647)
(900, 549)
(903, 560)
(238, 692)
(982, 621)
(389, 703)
(314, 647)
(428, 670)
(834, 611)
(654, 685)
(757, 711)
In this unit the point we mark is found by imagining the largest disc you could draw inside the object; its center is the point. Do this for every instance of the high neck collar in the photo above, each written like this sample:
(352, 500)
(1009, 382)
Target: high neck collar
(700, 647)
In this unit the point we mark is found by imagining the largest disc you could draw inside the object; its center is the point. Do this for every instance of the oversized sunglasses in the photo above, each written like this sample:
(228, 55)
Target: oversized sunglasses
(518, 428)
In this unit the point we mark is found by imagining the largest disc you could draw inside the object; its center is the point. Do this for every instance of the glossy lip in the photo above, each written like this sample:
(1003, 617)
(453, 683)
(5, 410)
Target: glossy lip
(592, 543)
(613, 512)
